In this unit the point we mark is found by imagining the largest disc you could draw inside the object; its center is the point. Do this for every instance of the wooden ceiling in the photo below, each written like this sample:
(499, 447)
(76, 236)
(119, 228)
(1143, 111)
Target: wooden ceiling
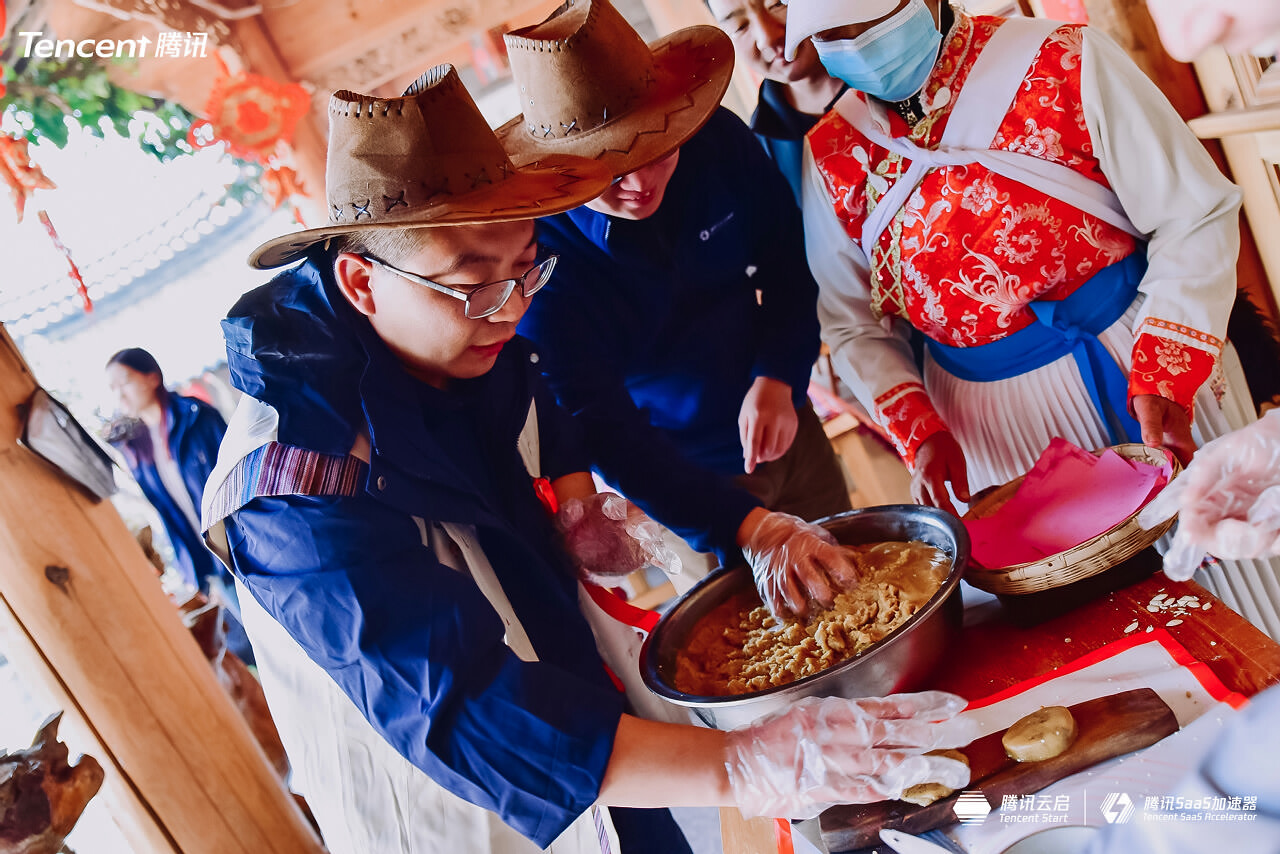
(372, 46)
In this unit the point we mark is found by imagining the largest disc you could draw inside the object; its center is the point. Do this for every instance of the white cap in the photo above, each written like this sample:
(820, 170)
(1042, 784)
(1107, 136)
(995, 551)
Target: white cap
(806, 17)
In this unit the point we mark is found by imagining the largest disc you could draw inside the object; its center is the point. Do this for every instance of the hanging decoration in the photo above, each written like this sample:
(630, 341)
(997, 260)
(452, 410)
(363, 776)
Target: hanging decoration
(22, 176)
(280, 183)
(73, 272)
(251, 114)
(255, 117)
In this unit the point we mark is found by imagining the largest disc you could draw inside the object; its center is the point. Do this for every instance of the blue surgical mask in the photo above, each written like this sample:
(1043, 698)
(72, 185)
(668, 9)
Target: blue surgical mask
(890, 61)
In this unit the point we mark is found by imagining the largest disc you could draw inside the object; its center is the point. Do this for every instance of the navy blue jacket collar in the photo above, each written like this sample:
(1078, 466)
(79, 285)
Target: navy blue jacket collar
(297, 345)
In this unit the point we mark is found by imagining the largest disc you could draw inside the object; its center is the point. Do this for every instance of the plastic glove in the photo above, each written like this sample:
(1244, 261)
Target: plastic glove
(1227, 500)
(828, 750)
(609, 538)
(794, 561)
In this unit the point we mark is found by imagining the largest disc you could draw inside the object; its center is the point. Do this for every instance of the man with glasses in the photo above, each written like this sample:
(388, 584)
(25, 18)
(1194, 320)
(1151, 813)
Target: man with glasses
(387, 498)
(483, 300)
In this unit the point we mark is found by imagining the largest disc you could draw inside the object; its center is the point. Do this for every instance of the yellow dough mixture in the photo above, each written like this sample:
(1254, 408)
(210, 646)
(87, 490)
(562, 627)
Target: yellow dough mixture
(738, 647)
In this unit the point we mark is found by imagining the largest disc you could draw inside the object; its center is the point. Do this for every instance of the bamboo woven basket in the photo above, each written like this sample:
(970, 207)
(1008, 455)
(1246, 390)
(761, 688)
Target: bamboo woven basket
(1087, 559)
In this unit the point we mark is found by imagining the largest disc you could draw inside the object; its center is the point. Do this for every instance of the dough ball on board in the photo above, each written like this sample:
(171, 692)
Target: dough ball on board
(924, 794)
(1041, 735)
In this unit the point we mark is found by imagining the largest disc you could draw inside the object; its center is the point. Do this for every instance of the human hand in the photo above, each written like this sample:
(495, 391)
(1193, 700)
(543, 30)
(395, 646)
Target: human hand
(767, 422)
(794, 561)
(1227, 501)
(940, 461)
(609, 538)
(1164, 424)
(824, 751)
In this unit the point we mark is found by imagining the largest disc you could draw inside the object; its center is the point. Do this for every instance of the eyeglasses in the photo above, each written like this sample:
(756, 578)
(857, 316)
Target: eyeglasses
(484, 300)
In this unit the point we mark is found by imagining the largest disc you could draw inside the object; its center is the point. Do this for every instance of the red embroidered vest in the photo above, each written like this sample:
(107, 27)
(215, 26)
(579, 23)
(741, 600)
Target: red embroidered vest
(970, 249)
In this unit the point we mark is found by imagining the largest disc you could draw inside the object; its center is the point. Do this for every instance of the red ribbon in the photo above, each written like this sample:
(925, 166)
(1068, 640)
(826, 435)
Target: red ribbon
(620, 609)
(546, 495)
(73, 271)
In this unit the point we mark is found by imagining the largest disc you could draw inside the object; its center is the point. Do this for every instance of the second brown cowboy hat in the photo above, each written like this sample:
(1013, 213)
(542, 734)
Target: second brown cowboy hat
(589, 85)
(429, 159)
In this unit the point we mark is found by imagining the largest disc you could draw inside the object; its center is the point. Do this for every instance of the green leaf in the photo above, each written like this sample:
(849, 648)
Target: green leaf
(51, 127)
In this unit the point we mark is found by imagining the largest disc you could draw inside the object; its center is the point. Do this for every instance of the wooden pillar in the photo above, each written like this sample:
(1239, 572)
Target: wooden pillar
(1131, 25)
(83, 609)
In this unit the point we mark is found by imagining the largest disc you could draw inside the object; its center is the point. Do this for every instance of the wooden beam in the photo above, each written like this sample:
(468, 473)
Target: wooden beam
(353, 41)
(1232, 122)
(75, 583)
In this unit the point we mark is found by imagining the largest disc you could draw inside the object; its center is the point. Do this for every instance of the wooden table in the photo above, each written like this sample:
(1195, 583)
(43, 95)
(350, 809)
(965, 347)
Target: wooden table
(992, 653)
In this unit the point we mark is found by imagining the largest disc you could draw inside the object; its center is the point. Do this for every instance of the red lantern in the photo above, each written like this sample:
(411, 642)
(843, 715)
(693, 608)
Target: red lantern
(252, 114)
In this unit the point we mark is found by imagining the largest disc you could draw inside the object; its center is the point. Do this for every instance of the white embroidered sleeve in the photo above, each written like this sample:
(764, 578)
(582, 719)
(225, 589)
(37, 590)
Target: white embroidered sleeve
(870, 359)
(1171, 190)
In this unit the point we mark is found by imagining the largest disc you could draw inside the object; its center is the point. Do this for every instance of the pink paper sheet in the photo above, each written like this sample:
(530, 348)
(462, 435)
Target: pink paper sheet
(1068, 497)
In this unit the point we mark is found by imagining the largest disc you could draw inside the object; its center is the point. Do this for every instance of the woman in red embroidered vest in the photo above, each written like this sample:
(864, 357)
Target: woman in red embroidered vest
(1020, 193)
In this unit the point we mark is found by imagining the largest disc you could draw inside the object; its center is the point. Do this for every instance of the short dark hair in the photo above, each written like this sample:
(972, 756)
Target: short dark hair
(137, 359)
(390, 244)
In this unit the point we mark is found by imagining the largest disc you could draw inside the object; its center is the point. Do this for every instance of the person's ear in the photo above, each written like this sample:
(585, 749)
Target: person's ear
(353, 276)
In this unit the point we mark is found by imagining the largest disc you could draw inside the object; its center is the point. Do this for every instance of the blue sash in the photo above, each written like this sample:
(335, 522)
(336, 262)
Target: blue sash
(1065, 326)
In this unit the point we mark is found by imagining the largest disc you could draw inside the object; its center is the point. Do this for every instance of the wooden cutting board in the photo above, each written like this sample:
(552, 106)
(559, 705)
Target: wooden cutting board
(1106, 727)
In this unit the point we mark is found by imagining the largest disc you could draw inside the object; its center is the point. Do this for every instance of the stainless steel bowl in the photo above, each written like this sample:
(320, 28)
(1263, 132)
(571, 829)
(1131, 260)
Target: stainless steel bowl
(899, 662)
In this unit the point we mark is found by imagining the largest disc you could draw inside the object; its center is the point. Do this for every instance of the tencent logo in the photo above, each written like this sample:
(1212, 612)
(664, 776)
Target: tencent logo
(971, 807)
(1117, 808)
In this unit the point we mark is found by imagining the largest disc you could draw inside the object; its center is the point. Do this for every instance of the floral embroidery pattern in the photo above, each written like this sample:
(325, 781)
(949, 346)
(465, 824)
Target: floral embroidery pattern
(1042, 142)
(1169, 368)
(1173, 357)
(1193, 337)
(981, 196)
(971, 249)
(909, 418)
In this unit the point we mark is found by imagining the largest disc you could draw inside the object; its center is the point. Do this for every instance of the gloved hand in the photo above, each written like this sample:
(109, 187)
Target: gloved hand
(794, 561)
(609, 538)
(828, 750)
(1227, 500)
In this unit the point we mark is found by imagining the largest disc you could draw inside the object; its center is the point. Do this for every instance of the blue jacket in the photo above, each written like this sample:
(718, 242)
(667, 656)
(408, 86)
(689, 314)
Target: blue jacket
(780, 128)
(413, 643)
(651, 334)
(195, 431)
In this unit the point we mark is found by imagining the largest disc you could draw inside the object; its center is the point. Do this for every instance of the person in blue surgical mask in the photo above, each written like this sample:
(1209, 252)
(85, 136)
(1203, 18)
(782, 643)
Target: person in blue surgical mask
(1021, 194)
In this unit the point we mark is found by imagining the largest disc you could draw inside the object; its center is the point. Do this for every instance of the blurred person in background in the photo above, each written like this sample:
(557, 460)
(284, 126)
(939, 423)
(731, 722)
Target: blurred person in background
(170, 444)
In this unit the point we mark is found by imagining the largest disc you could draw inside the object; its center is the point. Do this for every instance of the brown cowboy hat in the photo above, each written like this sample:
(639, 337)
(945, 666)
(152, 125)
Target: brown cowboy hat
(429, 159)
(589, 85)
